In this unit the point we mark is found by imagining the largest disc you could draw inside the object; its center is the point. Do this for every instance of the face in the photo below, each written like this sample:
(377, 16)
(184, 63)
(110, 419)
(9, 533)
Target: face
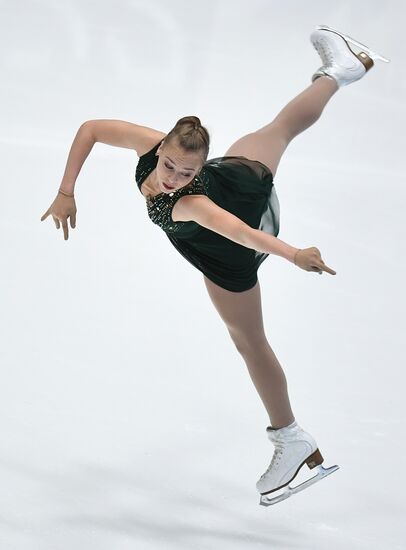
(176, 168)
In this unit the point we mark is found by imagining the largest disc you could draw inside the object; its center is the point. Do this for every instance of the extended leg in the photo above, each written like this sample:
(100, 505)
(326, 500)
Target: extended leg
(242, 314)
(269, 142)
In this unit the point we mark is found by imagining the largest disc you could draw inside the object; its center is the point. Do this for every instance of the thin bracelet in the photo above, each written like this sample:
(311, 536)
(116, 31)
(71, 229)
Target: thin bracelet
(66, 194)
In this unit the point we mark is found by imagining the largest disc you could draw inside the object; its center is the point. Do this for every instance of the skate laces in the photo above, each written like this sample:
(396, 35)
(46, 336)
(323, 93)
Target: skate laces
(279, 446)
(324, 51)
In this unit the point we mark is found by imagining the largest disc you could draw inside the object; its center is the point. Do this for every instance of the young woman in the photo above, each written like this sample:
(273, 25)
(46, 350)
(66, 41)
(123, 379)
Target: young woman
(222, 215)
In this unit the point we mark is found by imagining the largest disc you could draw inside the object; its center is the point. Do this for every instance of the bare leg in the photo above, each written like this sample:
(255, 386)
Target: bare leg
(241, 311)
(269, 142)
(242, 314)
(270, 381)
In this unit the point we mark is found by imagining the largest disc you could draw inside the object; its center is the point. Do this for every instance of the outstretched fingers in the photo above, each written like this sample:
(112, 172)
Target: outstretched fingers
(321, 266)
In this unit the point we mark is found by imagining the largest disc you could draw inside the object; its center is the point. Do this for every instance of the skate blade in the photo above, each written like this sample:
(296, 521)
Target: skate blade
(289, 491)
(364, 48)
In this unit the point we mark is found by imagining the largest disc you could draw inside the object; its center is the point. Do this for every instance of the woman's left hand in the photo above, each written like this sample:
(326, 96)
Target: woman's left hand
(310, 259)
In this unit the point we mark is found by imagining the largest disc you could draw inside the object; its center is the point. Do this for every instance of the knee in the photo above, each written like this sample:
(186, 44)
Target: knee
(248, 344)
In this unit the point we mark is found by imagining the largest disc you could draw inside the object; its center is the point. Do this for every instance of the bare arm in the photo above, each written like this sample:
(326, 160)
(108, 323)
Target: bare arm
(264, 242)
(204, 211)
(112, 132)
(207, 213)
(118, 133)
(79, 151)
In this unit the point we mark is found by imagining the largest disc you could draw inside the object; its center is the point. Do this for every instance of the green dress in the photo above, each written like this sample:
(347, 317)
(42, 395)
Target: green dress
(241, 186)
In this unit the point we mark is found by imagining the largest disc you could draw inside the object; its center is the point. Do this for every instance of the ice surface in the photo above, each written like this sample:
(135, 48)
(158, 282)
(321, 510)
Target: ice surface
(127, 418)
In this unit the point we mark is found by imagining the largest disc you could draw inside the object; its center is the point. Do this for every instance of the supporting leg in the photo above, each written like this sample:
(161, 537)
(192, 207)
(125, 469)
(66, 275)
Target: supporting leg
(242, 315)
(270, 381)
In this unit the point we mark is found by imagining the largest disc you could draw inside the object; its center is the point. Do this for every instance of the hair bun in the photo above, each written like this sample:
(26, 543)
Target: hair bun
(187, 138)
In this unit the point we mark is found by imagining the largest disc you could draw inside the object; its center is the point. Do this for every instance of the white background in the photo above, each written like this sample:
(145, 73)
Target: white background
(127, 417)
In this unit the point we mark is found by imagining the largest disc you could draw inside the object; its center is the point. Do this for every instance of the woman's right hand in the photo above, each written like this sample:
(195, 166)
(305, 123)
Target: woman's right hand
(309, 259)
(61, 209)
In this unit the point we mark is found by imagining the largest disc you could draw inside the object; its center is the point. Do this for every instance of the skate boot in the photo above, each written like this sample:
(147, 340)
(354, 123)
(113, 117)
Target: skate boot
(340, 61)
(293, 448)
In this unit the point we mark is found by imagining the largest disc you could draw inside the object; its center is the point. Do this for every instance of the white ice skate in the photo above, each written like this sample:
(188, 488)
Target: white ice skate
(340, 61)
(293, 448)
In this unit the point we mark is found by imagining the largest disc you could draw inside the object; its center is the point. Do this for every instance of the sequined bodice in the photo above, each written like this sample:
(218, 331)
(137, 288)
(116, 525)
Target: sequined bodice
(160, 206)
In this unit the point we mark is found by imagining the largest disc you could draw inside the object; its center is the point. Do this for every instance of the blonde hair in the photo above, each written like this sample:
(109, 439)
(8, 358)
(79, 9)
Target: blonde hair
(191, 136)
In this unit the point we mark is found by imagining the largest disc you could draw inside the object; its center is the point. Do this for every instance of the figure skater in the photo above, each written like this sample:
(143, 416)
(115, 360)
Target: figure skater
(222, 215)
